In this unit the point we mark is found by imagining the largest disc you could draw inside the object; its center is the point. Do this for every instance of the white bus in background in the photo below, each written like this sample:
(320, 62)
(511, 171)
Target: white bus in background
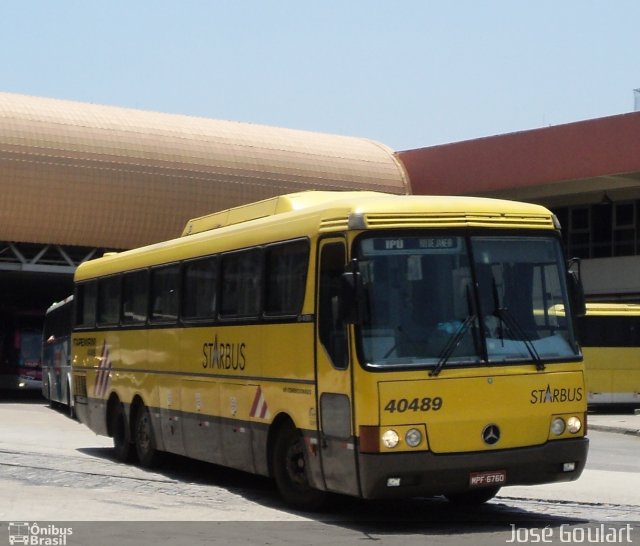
(57, 384)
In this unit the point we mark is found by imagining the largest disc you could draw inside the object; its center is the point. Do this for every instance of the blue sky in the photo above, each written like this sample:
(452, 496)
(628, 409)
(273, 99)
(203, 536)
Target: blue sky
(407, 73)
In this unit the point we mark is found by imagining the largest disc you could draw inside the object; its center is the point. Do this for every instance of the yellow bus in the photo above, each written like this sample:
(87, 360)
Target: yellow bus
(610, 338)
(358, 343)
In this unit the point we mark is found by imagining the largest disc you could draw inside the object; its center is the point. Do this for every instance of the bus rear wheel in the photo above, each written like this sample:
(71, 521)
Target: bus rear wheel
(290, 471)
(121, 433)
(143, 438)
(473, 498)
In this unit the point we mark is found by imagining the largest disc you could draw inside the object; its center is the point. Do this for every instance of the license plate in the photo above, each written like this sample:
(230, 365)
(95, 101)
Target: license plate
(489, 478)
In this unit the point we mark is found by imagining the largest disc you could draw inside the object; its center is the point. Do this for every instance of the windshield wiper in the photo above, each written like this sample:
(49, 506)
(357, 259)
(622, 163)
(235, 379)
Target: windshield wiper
(457, 337)
(505, 316)
(452, 344)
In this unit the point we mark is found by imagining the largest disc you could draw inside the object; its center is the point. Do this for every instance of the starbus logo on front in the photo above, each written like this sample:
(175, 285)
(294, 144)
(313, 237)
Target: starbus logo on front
(38, 535)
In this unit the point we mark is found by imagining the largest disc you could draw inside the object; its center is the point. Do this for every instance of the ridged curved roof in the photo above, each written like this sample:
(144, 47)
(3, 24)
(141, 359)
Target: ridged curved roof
(89, 175)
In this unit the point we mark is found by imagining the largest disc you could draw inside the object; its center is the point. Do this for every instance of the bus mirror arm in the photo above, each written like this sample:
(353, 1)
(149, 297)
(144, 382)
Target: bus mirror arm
(576, 289)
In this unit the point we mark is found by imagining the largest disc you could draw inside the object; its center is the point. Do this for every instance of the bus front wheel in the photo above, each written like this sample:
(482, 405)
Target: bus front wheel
(143, 438)
(290, 471)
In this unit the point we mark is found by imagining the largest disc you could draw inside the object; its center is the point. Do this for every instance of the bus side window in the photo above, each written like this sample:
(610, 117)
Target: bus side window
(134, 297)
(165, 281)
(86, 301)
(241, 284)
(109, 300)
(199, 289)
(331, 328)
(285, 276)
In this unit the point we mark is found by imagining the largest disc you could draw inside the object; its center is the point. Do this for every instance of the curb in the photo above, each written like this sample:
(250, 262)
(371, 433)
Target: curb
(616, 430)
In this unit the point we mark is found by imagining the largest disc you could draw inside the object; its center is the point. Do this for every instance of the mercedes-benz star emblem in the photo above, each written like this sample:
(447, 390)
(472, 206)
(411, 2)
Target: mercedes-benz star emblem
(491, 434)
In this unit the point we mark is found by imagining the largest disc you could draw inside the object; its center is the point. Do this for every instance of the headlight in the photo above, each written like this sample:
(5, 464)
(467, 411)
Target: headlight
(413, 437)
(390, 439)
(557, 426)
(574, 424)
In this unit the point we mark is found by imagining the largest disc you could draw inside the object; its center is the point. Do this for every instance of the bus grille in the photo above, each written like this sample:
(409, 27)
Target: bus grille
(447, 220)
(80, 385)
(334, 224)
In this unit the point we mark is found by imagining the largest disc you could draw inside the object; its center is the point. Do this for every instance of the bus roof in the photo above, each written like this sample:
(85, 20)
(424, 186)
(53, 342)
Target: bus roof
(306, 213)
(602, 309)
(480, 209)
(268, 207)
(58, 304)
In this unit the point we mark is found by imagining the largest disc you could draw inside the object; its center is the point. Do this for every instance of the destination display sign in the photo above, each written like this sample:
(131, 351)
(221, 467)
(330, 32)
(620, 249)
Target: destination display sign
(404, 245)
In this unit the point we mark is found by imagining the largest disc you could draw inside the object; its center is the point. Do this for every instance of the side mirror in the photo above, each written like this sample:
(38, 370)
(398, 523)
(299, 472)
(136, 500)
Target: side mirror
(352, 301)
(576, 289)
(348, 309)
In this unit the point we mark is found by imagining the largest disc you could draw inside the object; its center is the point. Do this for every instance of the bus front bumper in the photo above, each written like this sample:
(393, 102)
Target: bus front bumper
(428, 474)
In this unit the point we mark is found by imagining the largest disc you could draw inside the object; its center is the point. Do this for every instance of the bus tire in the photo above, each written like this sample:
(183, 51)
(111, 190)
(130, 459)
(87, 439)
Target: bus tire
(290, 473)
(144, 438)
(121, 433)
(473, 498)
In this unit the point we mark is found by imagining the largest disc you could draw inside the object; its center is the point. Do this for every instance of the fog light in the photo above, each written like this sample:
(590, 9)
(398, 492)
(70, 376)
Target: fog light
(557, 426)
(390, 439)
(568, 467)
(573, 425)
(413, 437)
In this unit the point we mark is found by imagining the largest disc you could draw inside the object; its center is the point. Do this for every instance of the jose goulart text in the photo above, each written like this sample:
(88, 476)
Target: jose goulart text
(570, 534)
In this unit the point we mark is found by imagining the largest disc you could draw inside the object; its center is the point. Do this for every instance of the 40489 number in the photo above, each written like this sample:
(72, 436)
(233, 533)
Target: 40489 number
(417, 404)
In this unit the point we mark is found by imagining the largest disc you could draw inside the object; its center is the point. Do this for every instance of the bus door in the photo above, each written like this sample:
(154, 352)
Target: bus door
(334, 391)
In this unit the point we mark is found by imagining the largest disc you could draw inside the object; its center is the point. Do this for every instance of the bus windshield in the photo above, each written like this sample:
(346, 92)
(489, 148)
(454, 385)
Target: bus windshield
(442, 300)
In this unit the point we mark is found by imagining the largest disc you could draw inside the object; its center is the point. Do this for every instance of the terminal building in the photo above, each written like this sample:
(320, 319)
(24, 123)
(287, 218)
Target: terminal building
(587, 173)
(78, 179)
